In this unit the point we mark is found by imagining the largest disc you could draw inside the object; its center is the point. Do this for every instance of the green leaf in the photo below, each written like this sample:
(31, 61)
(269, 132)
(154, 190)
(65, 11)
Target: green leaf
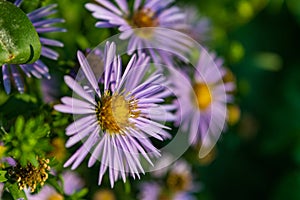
(33, 160)
(2, 176)
(19, 41)
(127, 187)
(52, 180)
(15, 192)
(26, 105)
(80, 194)
(19, 125)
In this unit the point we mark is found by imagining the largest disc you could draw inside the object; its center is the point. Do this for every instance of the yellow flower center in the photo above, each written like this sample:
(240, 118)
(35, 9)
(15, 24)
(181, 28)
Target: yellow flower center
(55, 196)
(234, 114)
(113, 113)
(144, 18)
(104, 195)
(31, 176)
(179, 182)
(2, 151)
(203, 95)
(59, 150)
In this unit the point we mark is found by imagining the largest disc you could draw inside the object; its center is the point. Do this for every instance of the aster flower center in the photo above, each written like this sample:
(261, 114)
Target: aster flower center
(203, 95)
(59, 150)
(144, 18)
(55, 196)
(104, 195)
(31, 176)
(178, 182)
(114, 111)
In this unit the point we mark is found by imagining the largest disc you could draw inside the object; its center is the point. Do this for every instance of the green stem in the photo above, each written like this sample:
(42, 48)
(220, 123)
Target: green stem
(15, 192)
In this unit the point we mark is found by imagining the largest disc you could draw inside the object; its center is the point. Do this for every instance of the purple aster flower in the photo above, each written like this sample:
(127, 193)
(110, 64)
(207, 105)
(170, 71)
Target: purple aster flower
(72, 183)
(147, 25)
(51, 89)
(154, 191)
(202, 100)
(197, 26)
(9, 160)
(116, 122)
(38, 69)
(173, 183)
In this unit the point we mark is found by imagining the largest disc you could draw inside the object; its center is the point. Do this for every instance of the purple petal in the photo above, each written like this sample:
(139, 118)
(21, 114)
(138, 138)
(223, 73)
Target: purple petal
(110, 6)
(81, 135)
(78, 89)
(76, 103)
(86, 148)
(73, 110)
(18, 3)
(109, 57)
(137, 4)
(6, 78)
(50, 42)
(80, 124)
(17, 78)
(96, 153)
(42, 12)
(123, 5)
(47, 22)
(50, 29)
(88, 72)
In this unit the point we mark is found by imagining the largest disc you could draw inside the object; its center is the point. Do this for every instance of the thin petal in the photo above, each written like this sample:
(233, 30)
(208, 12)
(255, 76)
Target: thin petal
(88, 72)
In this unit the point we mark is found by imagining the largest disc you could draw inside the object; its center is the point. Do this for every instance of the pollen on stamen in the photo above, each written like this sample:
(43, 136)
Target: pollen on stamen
(32, 176)
(113, 113)
(144, 18)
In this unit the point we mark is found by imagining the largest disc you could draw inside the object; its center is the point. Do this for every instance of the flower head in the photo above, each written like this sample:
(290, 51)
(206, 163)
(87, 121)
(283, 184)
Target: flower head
(146, 25)
(174, 182)
(38, 69)
(104, 194)
(32, 176)
(116, 122)
(72, 183)
(197, 26)
(202, 100)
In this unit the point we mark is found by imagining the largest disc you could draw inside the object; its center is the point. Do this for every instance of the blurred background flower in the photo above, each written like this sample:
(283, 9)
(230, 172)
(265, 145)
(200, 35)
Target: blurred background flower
(72, 183)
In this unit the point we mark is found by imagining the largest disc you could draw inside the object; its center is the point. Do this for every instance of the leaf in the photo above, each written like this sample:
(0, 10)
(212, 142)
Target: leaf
(52, 180)
(294, 6)
(2, 176)
(80, 194)
(18, 105)
(19, 41)
(127, 187)
(15, 192)
(33, 159)
(19, 125)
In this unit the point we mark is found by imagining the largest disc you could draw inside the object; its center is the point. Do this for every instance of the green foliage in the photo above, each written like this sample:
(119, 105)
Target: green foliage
(2, 176)
(55, 181)
(80, 195)
(15, 192)
(27, 139)
(19, 41)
